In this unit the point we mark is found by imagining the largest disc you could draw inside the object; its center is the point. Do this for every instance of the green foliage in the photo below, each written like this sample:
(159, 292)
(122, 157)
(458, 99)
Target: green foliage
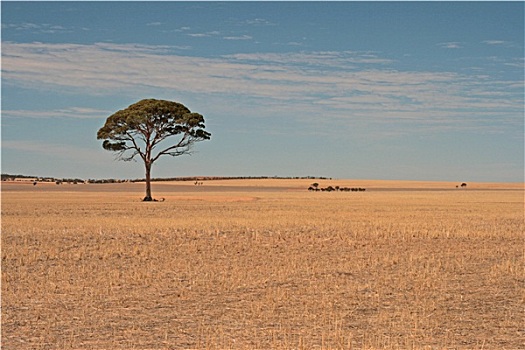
(113, 146)
(140, 128)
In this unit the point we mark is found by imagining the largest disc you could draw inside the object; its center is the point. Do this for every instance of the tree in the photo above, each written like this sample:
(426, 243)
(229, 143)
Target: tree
(142, 129)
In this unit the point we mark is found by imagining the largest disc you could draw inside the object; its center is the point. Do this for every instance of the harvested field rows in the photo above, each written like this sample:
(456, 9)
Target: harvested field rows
(261, 269)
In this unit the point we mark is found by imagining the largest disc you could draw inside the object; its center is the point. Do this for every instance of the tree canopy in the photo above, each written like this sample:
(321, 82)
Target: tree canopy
(142, 129)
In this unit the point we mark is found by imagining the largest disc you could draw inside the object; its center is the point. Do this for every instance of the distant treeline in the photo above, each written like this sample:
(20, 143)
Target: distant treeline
(215, 178)
(8, 177)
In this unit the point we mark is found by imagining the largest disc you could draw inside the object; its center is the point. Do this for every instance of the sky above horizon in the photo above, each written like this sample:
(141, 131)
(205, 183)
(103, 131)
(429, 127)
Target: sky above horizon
(355, 90)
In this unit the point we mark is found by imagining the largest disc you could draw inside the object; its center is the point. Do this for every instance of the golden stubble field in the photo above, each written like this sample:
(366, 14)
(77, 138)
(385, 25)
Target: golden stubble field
(263, 265)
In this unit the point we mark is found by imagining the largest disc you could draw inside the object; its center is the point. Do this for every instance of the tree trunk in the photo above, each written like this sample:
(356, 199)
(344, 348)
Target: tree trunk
(148, 197)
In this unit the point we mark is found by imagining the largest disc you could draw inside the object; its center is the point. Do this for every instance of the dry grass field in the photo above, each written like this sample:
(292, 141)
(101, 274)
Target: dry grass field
(263, 264)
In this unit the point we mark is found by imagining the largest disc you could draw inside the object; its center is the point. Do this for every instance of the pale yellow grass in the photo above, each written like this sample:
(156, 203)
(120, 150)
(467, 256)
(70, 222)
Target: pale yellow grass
(238, 266)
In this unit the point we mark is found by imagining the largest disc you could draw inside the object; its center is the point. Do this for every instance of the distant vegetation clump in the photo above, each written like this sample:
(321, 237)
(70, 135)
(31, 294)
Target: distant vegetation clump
(315, 188)
(106, 181)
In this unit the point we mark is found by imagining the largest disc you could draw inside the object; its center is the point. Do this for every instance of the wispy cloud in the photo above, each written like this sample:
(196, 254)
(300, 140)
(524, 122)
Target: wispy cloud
(45, 28)
(342, 59)
(63, 113)
(259, 22)
(204, 35)
(241, 37)
(451, 45)
(516, 62)
(495, 42)
(502, 43)
(338, 85)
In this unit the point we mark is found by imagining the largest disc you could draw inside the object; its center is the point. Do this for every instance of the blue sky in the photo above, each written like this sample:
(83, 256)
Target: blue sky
(363, 90)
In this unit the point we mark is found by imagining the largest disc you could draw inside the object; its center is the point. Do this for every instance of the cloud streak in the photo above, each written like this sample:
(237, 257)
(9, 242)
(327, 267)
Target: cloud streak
(495, 42)
(241, 37)
(204, 35)
(451, 45)
(44, 28)
(341, 85)
(63, 113)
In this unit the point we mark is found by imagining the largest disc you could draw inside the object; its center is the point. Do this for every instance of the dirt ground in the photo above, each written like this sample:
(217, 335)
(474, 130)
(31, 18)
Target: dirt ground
(263, 264)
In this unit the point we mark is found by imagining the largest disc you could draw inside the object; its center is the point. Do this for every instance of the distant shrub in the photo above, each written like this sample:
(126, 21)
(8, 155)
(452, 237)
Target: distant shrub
(336, 188)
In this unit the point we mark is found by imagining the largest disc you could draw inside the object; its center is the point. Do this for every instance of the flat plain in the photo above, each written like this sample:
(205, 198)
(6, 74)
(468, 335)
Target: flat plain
(263, 264)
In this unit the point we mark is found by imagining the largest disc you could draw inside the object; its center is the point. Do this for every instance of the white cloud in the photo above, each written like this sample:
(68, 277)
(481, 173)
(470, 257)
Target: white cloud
(70, 113)
(204, 35)
(259, 22)
(494, 42)
(517, 62)
(45, 28)
(451, 45)
(503, 43)
(342, 59)
(242, 37)
(294, 43)
(341, 85)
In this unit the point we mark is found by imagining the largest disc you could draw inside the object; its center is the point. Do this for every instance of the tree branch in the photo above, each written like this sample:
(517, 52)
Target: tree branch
(184, 142)
(136, 147)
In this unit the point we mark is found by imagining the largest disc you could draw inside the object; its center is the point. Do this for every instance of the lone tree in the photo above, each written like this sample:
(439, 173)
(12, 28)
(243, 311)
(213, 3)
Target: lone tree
(142, 129)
